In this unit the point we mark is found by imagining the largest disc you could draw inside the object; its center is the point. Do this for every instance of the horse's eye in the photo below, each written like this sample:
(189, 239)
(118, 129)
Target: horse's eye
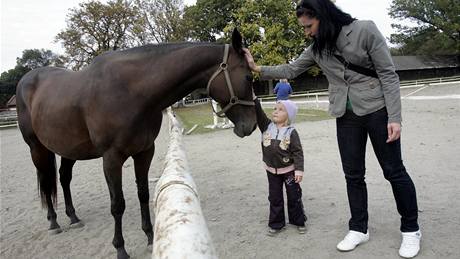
(249, 78)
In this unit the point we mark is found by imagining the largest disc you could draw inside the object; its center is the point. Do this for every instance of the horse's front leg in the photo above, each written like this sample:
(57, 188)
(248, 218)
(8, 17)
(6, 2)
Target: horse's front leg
(65, 173)
(142, 163)
(113, 163)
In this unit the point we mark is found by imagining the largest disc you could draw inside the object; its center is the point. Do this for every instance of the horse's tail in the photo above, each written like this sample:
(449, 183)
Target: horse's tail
(46, 181)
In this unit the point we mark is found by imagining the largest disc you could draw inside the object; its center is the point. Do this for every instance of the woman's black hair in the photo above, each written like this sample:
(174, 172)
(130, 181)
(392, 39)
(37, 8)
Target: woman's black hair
(331, 19)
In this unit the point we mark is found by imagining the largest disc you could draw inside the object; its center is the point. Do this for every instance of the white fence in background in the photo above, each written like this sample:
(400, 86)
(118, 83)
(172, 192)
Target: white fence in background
(180, 228)
(318, 97)
(431, 81)
(195, 102)
(8, 118)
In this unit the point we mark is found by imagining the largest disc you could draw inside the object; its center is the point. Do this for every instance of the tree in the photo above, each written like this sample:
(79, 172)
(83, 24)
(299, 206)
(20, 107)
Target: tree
(94, 28)
(206, 20)
(8, 82)
(271, 30)
(31, 59)
(35, 58)
(161, 21)
(437, 31)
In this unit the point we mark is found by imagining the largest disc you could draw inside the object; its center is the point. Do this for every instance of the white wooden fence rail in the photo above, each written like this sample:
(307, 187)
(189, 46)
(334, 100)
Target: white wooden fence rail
(180, 228)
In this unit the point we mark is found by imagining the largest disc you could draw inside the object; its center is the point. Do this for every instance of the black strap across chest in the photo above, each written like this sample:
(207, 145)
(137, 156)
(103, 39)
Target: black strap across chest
(358, 69)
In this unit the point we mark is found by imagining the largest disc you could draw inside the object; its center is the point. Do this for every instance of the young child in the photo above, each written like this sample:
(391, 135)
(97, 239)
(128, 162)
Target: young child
(283, 161)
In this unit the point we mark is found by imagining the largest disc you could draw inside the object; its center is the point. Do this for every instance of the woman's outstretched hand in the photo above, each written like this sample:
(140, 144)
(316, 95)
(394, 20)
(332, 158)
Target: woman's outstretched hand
(252, 65)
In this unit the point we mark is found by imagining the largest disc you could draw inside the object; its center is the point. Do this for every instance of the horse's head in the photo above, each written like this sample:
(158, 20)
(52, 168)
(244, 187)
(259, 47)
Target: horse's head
(231, 87)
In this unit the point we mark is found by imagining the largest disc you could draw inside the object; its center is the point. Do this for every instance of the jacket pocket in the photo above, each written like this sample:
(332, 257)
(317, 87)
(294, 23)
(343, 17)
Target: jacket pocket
(370, 90)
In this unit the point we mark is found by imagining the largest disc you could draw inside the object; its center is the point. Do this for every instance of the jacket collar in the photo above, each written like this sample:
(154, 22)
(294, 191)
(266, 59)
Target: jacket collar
(343, 40)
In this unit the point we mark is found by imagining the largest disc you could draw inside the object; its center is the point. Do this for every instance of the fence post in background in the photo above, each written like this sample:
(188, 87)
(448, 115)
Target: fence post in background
(180, 228)
(214, 116)
(225, 124)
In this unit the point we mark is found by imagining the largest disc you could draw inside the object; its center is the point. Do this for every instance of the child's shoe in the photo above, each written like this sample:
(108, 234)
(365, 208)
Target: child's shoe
(301, 229)
(272, 231)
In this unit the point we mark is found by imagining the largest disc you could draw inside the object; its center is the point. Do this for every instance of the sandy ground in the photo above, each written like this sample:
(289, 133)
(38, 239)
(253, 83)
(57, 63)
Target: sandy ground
(233, 189)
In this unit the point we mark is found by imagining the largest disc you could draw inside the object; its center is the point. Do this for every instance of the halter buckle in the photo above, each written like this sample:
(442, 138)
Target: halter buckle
(233, 99)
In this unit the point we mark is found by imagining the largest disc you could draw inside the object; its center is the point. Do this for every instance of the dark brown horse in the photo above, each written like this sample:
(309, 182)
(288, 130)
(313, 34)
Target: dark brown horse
(113, 109)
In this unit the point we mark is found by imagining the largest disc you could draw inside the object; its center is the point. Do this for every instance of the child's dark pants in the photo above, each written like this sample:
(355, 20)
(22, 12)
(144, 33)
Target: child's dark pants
(294, 200)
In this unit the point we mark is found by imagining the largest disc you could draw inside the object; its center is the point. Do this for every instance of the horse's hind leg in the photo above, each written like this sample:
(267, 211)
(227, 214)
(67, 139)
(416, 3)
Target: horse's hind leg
(45, 162)
(65, 173)
(141, 167)
(113, 163)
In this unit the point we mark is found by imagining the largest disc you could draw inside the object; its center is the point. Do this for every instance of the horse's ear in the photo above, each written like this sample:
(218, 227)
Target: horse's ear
(237, 41)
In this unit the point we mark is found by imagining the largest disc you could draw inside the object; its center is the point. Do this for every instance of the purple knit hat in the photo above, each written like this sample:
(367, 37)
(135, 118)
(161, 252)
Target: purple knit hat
(291, 109)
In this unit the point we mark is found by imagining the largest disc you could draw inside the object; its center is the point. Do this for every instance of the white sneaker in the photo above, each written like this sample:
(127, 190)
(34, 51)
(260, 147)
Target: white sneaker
(351, 240)
(410, 244)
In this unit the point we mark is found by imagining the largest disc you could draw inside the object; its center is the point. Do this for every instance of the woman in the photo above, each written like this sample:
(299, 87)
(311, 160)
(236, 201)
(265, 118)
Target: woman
(364, 97)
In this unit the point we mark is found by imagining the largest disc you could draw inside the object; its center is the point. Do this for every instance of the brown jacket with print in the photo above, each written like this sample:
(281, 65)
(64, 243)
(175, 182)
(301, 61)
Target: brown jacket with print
(280, 147)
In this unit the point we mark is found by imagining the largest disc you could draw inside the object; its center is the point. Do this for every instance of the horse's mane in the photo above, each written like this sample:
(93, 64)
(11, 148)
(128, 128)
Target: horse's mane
(149, 50)
(162, 48)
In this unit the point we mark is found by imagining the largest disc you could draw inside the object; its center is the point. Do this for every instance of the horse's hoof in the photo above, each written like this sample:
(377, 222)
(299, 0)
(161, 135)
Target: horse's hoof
(149, 239)
(54, 231)
(78, 224)
(121, 253)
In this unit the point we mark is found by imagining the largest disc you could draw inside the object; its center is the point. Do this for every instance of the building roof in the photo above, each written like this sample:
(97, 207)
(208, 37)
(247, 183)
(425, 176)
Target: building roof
(11, 102)
(425, 62)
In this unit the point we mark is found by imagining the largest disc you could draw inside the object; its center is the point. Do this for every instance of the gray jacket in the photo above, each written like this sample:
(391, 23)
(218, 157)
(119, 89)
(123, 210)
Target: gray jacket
(360, 43)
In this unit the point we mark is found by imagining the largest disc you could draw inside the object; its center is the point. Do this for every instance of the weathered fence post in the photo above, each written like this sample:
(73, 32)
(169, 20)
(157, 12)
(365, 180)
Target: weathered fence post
(180, 228)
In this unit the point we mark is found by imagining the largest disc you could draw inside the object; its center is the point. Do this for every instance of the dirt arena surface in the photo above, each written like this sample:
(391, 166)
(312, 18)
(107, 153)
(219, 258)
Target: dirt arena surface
(233, 189)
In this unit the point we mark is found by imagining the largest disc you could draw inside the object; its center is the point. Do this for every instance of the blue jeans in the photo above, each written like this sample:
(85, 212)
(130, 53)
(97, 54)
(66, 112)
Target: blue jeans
(352, 133)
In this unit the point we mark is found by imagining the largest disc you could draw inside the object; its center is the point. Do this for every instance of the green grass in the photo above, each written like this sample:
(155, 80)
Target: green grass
(201, 115)
(198, 114)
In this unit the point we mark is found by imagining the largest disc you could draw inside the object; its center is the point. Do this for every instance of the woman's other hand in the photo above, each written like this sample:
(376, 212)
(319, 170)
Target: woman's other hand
(394, 131)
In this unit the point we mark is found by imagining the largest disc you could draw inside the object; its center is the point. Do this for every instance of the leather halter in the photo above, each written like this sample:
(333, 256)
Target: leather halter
(233, 98)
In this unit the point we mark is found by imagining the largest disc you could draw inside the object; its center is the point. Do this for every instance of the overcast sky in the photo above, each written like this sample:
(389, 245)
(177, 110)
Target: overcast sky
(33, 24)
